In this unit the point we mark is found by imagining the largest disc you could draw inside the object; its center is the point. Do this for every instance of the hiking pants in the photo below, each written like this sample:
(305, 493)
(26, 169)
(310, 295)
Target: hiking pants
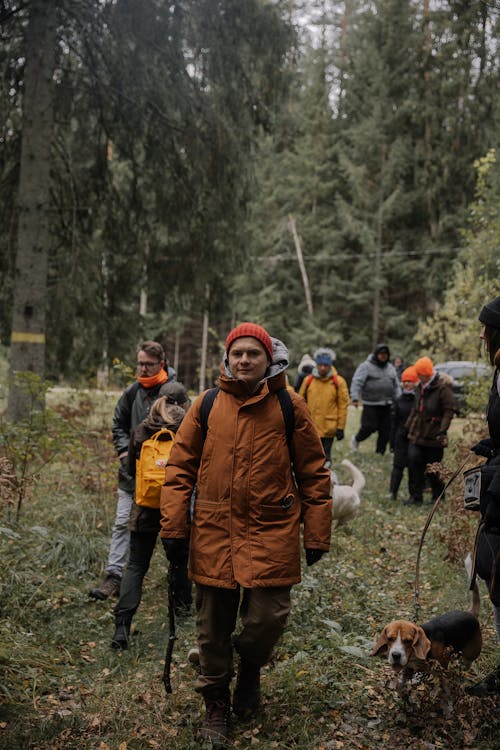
(418, 458)
(263, 613)
(375, 419)
(399, 463)
(327, 443)
(142, 545)
(120, 535)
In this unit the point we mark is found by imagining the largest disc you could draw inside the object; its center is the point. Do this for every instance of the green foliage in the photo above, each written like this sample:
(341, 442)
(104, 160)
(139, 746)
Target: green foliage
(28, 445)
(452, 332)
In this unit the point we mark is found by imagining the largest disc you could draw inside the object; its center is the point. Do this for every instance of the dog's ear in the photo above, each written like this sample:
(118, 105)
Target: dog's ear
(381, 645)
(421, 644)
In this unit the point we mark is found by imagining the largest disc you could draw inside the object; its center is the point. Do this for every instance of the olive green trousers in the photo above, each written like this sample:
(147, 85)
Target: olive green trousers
(263, 613)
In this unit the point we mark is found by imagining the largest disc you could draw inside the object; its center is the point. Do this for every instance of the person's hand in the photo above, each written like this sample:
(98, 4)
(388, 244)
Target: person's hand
(339, 434)
(176, 550)
(483, 448)
(355, 402)
(313, 555)
(443, 440)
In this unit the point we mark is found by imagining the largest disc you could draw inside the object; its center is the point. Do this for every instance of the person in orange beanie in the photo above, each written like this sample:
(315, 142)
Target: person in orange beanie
(427, 427)
(399, 438)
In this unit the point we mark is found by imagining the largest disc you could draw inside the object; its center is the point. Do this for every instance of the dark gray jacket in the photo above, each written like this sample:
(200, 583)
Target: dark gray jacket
(375, 385)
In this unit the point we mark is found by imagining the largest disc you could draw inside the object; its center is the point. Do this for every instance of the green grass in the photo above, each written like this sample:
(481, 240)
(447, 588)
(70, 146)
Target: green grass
(63, 687)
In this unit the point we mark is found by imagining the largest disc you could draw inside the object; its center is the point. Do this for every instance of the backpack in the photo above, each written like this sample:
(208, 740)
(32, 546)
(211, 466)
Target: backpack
(150, 468)
(285, 403)
(334, 379)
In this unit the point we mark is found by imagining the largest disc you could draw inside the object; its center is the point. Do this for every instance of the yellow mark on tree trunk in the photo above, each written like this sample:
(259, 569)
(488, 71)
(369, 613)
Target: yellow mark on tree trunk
(20, 337)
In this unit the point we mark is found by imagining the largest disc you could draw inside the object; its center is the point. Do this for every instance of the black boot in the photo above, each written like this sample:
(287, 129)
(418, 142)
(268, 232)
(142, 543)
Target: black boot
(490, 685)
(246, 697)
(218, 710)
(121, 636)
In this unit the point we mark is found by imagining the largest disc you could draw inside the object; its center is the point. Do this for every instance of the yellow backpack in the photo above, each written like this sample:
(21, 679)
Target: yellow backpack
(150, 468)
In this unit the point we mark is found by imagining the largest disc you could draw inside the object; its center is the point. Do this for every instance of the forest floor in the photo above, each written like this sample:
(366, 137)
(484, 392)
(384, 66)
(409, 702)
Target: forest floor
(63, 687)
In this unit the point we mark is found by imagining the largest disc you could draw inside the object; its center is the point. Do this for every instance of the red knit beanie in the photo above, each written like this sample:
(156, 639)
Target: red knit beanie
(424, 366)
(253, 330)
(409, 375)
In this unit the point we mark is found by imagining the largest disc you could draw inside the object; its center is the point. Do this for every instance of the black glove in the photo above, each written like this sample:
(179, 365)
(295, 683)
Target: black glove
(176, 550)
(313, 555)
(483, 448)
(339, 434)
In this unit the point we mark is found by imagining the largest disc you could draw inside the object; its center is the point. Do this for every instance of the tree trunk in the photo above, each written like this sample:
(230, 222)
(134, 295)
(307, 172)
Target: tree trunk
(204, 342)
(27, 352)
(305, 279)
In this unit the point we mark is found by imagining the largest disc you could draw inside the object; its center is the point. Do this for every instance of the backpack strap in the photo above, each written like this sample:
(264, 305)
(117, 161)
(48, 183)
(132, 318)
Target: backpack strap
(131, 393)
(309, 379)
(288, 415)
(206, 408)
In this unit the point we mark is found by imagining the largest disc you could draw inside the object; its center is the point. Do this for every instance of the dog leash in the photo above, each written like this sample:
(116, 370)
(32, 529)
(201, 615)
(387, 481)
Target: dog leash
(416, 591)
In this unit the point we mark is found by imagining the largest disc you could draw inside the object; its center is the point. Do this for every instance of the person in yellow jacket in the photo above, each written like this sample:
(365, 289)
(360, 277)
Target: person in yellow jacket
(327, 397)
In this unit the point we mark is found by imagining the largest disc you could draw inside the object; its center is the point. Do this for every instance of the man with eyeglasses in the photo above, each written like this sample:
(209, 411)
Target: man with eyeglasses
(132, 407)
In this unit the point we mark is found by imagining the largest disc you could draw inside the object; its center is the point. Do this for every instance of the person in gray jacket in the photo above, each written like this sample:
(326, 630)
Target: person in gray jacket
(375, 386)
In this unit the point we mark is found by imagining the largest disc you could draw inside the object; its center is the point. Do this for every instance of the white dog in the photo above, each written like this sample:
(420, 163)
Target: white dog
(347, 497)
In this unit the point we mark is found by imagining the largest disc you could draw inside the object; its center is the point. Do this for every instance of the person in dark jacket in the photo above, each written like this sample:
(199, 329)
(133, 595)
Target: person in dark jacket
(375, 386)
(487, 563)
(399, 438)
(427, 426)
(305, 368)
(144, 528)
(132, 407)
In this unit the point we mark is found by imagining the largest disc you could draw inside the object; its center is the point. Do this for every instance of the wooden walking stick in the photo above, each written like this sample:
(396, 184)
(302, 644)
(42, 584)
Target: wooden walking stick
(171, 631)
(427, 524)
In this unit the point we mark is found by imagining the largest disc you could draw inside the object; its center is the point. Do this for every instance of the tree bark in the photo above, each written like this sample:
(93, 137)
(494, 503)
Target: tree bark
(27, 353)
(204, 342)
(298, 249)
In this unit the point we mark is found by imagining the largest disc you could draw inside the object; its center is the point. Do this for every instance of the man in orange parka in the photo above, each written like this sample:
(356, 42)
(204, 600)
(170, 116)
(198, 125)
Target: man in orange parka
(245, 526)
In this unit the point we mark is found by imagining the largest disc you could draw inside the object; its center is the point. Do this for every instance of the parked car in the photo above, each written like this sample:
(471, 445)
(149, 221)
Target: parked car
(463, 374)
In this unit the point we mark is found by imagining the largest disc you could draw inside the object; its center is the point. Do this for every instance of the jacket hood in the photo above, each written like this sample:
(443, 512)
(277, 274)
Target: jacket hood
(306, 361)
(278, 365)
(381, 348)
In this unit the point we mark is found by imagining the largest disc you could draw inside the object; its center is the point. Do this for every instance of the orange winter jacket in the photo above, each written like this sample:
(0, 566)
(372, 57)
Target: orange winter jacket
(245, 526)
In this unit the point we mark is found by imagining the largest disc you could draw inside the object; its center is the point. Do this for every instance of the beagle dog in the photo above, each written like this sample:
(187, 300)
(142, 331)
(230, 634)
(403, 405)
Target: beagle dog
(409, 646)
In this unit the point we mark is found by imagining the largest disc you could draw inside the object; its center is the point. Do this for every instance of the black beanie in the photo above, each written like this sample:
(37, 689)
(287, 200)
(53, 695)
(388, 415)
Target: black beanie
(490, 314)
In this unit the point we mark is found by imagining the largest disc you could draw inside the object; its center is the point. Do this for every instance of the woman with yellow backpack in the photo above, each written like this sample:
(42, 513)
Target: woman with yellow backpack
(149, 449)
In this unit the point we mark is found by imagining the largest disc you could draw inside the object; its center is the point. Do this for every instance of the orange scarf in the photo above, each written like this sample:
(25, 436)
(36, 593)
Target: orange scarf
(150, 382)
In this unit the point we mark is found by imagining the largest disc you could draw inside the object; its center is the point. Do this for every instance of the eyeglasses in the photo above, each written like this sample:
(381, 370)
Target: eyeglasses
(147, 365)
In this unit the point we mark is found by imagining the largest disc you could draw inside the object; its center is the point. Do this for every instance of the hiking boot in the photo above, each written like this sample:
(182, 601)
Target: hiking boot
(121, 636)
(246, 697)
(354, 444)
(218, 710)
(109, 587)
(490, 685)
(412, 501)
